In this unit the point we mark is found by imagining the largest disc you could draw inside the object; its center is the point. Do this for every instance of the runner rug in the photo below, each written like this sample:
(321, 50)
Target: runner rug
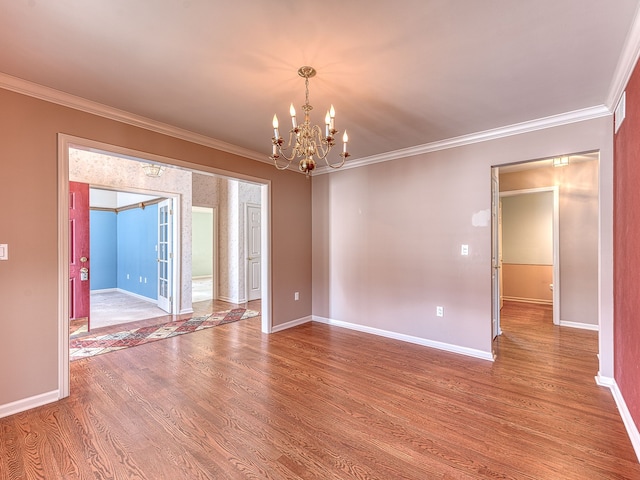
(89, 346)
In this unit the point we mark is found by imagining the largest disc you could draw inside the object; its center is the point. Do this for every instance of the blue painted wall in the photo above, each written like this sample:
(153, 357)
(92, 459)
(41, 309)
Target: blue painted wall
(137, 256)
(104, 254)
(128, 242)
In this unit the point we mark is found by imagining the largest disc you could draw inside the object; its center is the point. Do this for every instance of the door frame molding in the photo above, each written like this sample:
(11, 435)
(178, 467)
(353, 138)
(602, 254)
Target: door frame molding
(66, 141)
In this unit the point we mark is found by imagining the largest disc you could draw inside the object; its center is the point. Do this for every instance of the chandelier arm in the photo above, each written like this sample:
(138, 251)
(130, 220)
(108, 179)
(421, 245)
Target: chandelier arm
(275, 163)
(282, 150)
(336, 165)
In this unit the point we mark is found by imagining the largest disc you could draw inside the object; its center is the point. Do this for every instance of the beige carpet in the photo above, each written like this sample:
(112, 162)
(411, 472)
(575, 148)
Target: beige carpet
(202, 289)
(114, 308)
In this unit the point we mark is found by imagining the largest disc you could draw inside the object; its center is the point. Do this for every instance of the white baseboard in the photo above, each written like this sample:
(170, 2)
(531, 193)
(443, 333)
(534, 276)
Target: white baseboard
(104, 290)
(292, 323)
(470, 352)
(232, 300)
(139, 297)
(627, 419)
(584, 326)
(537, 301)
(186, 311)
(29, 403)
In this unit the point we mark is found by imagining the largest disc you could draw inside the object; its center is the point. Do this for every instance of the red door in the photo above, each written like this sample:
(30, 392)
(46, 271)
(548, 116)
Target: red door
(79, 291)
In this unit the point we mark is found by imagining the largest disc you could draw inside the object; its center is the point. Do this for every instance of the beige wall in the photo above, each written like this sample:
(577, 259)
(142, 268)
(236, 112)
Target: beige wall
(527, 228)
(387, 238)
(28, 223)
(578, 211)
(527, 247)
(527, 283)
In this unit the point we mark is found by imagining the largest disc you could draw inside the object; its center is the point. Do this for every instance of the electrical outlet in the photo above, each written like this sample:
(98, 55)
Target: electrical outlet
(439, 311)
(464, 250)
(296, 296)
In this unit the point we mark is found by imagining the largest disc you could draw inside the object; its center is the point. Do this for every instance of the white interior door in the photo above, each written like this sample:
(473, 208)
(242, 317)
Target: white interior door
(165, 255)
(496, 274)
(254, 252)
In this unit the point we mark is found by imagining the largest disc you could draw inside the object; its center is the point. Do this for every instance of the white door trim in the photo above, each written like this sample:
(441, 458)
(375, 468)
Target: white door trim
(496, 284)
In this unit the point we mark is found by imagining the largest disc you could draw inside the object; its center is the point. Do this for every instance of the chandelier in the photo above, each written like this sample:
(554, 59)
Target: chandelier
(307, 142)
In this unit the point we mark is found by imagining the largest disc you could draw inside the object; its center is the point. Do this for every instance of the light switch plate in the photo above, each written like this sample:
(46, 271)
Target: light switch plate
(4, 251)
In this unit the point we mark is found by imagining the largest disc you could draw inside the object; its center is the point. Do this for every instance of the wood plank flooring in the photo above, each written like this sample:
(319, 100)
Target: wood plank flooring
(320, 402)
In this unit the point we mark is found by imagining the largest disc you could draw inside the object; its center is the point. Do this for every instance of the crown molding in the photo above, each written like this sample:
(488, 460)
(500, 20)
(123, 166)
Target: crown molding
(626, 63)
(48, 94)
(493, 134)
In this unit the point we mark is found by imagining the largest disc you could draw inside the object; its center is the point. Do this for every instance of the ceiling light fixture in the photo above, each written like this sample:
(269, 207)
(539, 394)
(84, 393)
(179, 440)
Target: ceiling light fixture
(307, 141)
(561, 161)
(153, 170)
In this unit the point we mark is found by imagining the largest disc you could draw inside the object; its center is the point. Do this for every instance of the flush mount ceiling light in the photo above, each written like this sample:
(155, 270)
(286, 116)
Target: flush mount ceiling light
(561, 161)
(307, 142)
(153, 170)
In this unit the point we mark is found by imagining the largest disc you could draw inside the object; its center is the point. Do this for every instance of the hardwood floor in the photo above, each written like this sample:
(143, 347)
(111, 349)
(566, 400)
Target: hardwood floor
(320, 402)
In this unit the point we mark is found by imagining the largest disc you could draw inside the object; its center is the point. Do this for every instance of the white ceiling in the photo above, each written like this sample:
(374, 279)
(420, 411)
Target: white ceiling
(400, 74)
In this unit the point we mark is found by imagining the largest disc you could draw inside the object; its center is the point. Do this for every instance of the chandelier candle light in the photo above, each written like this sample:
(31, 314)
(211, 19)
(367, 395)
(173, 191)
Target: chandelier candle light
(307, 141)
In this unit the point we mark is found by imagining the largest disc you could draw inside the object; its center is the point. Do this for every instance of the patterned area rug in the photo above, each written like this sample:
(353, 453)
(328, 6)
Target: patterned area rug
(90, 346)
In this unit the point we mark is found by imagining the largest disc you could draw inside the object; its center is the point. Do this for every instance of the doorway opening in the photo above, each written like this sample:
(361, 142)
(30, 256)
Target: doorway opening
(179, 265)
(553, 236)
(133, 255)
(203, 256)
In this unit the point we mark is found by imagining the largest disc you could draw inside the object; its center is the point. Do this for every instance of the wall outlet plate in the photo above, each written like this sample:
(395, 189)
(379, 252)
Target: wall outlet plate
(4, 251)
(439, 311)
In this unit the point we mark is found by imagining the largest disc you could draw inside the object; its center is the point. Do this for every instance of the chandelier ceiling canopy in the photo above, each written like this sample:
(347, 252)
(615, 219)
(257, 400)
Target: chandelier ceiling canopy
(307, 142)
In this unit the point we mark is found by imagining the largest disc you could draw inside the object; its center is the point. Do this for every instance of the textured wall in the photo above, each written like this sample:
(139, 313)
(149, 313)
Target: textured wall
(234, 196)
(627, 251)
